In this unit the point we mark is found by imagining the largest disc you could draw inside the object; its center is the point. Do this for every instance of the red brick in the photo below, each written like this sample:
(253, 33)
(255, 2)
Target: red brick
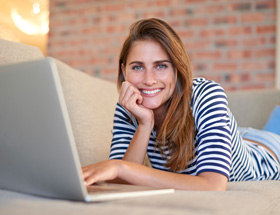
(185, 34)
(265, 77)
(153, 14)
(110, 70)
(99, 60)
(253, 66)
(197, 22)
(225, 20)
(126, 17)
(210, 9)
(224, 67)
(240, 30)
(253, 17)
(226, 43)
(272, 17)
(272, 40)
(253, 86)
(239, 78)
(266, 29)
(198, 45)
(198, 67)
(178, 12)
(163, 3)
(138, 5)
(195, 1)
(240, 6)
(212, 33)
(208, 55)
(212, 77)
(116, 28)
(91, 30)
(265, 53)
(113, 7)
(254, 41)
(268, 4)
(239, 54)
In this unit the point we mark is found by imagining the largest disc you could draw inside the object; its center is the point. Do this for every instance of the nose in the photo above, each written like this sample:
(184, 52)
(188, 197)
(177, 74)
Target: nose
(149, 77)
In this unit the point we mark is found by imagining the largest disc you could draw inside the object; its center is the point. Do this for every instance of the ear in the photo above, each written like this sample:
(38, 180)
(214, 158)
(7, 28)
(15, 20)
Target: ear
(123, 71)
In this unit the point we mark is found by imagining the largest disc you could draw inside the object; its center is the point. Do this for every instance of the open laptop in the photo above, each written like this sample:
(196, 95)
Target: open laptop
(38, 153)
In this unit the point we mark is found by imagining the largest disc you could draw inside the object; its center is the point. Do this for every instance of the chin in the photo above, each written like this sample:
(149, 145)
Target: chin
(151, 105)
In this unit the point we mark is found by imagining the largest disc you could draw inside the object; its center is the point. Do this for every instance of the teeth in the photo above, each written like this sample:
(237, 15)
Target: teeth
(151, 91)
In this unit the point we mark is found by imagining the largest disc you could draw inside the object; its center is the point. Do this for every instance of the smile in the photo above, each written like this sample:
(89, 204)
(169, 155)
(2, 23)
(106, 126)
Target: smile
(149, 92)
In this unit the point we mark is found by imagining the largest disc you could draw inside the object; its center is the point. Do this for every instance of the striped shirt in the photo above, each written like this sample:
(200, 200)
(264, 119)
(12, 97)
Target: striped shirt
(218, 145)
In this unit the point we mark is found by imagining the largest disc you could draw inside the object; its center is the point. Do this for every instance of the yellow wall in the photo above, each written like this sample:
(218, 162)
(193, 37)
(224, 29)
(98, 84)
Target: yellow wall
(9, 31)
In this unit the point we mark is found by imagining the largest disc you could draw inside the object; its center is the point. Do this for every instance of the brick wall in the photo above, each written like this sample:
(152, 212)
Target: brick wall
(229, 41)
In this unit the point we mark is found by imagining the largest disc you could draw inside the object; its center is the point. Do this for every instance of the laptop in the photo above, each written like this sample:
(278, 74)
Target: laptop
(38, 154)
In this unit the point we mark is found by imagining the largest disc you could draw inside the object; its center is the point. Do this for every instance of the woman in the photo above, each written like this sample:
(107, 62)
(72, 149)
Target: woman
(183, 124)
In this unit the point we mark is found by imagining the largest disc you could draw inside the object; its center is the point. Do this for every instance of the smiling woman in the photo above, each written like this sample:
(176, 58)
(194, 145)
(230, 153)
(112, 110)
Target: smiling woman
(183, 124)
(153, 76)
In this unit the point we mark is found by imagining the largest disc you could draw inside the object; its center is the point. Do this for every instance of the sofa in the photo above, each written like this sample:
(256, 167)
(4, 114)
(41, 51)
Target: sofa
(91, 102)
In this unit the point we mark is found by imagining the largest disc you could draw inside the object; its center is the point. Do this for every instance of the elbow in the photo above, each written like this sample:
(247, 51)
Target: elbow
(222, 186)
(214, 181)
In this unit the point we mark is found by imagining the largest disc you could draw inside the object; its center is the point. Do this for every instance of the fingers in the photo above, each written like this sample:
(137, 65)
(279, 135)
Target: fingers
(130, 96)
(88, 175)
(105, 170)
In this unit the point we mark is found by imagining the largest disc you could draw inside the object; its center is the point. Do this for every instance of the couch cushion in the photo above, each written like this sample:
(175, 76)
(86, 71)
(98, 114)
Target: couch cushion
(252, 108)
(91, 103)
(13, 52)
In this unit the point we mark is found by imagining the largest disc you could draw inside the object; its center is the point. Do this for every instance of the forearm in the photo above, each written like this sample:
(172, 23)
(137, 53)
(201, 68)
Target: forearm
(137, 148)
(137, 174)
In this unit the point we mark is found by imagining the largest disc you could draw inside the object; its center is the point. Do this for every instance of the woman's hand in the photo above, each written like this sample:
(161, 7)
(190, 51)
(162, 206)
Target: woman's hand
(103, 171)
(133, 173)
(131, 99)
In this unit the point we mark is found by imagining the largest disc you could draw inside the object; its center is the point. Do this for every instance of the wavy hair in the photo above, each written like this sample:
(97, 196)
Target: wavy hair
(177, 131)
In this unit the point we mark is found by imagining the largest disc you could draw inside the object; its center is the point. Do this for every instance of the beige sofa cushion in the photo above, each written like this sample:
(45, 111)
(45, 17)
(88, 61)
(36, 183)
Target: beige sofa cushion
(91, 103)
(252, 108)
(12, 52)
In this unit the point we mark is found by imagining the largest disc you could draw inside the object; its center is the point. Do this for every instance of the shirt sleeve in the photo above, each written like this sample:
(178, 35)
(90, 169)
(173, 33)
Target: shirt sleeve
(123, 131)
(213, 136)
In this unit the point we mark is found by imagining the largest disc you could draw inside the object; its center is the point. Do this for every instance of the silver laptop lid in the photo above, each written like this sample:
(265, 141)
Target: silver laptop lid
(37, 150)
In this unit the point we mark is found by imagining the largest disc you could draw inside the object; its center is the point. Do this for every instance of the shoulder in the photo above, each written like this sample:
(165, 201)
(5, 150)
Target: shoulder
(204, 86)
(203, 89)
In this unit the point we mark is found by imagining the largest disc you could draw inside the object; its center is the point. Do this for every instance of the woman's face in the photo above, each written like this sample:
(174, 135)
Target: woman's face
(150, 70)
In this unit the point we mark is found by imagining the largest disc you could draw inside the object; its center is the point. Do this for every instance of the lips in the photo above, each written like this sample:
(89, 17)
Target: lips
(150, 92)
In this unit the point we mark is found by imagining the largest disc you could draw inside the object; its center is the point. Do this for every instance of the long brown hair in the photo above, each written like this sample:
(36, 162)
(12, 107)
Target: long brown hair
(177, 131)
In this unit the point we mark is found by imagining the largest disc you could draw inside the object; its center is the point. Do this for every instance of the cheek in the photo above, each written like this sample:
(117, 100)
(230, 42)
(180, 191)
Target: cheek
(133, 79)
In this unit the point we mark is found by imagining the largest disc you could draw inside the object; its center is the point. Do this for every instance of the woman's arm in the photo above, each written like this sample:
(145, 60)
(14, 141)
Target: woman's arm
(131, 99)
(133, 173)
(137, 148)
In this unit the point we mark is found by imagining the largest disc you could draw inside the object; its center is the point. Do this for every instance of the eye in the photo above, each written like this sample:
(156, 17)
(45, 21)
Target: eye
(161, 66)
(137, 67)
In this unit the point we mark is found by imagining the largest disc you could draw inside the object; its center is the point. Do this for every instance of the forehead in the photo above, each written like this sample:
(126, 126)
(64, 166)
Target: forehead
(147, 50)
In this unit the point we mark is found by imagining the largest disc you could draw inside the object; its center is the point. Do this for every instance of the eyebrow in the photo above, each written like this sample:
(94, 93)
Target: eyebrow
(156, 62)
